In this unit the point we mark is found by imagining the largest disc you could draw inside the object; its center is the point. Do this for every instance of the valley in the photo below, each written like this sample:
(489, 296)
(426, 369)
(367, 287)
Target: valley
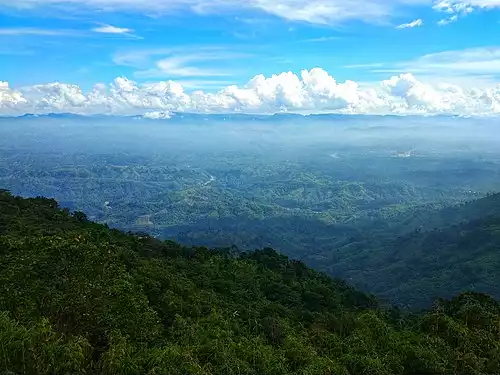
(334, 197)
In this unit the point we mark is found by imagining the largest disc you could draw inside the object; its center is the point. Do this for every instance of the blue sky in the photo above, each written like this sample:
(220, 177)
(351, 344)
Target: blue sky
(208, 45)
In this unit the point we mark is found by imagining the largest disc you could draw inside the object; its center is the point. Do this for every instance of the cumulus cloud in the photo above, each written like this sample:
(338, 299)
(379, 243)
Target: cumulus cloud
(158, 115)
(443, 98)
(311, 91)
(454, 6)
(10, 100)
(415, 23)
(460, 8)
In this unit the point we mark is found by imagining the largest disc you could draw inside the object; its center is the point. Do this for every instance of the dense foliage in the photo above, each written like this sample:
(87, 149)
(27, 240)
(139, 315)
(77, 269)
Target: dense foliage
(450, 250)
(78, 297)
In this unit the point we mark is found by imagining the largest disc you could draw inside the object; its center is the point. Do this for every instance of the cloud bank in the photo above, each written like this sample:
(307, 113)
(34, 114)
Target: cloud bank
(312, 91)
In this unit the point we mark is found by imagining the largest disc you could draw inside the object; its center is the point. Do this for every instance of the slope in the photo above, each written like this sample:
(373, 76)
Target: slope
(445, 252)
(77, 297)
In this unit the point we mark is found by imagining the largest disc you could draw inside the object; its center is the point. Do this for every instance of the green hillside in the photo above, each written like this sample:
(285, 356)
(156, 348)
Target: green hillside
(446, 252)
(429, 217)
(77, 297)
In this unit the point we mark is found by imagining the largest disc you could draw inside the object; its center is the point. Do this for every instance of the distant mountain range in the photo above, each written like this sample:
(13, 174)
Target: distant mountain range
(224, 117)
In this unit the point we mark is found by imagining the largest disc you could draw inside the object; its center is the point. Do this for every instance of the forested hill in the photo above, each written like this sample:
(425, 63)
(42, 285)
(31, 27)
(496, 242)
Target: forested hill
(429, 218)
(77, 297)
(448, 251)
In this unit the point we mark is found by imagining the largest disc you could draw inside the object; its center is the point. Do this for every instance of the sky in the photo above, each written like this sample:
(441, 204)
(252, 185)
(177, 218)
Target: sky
(155, 57)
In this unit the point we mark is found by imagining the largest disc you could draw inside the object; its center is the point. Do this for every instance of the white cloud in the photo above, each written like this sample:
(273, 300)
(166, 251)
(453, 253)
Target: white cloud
(320, 39)
(35, 31)
(460, 8)
(179, 66)
(313, 11)
(311, 91)
(447, 21)
(444, 98)
(103, 29)
(158, 115)
(464, 6)
(116, 31)
(473, 67)
(483, 61)
(453, 6)
(108, 29)
(10, 100)
(415, 23)
(177, 62)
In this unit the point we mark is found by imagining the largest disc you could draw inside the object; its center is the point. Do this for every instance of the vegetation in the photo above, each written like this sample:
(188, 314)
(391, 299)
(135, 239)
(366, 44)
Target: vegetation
(78, 297)
(331, 191)
(448, 251)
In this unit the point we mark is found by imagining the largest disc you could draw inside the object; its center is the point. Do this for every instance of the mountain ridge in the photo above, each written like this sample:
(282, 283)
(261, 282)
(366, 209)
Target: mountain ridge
(433, 253)
(230, 115)
(77, 297)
